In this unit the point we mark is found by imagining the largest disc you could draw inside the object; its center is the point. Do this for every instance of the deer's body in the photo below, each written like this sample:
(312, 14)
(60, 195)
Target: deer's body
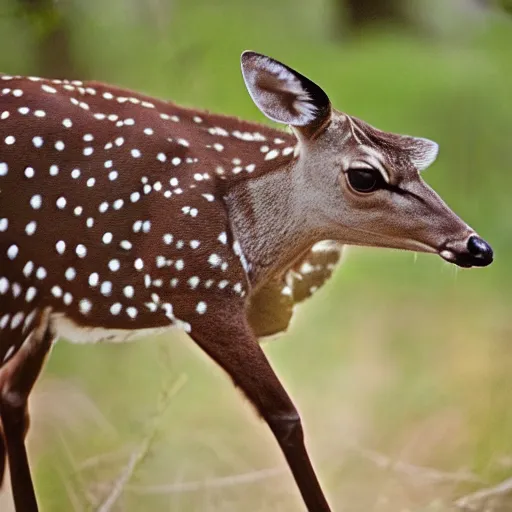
(122, 215)
(164, 184)
(161, 184)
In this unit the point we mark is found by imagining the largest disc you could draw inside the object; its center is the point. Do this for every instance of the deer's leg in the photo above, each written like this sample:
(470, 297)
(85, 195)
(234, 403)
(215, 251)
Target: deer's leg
(17, 377)
(3, 457)
(236, 349)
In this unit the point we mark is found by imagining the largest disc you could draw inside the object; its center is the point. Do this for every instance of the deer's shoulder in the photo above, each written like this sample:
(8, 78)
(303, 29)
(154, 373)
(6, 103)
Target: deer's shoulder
(271, 308)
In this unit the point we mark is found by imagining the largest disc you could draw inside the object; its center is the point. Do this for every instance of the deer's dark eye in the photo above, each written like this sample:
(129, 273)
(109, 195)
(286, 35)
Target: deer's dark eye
(365, 180)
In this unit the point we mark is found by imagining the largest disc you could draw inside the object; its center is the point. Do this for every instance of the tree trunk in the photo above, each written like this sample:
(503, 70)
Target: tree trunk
(52, 34)
(360, 13)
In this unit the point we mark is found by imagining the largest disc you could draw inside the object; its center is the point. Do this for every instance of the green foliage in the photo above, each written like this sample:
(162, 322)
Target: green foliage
(506, 5)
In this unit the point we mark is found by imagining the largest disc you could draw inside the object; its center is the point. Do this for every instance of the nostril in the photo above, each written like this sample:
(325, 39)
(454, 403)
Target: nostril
(480, 248)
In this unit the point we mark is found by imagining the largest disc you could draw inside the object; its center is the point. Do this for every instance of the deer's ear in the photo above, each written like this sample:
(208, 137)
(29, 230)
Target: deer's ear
(282, 94)
(422, 152)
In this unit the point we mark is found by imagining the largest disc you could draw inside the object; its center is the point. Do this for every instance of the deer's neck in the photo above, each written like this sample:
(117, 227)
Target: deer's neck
(270, 222)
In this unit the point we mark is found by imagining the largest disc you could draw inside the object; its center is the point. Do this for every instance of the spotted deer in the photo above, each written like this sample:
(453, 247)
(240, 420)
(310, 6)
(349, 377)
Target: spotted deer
(122, 215)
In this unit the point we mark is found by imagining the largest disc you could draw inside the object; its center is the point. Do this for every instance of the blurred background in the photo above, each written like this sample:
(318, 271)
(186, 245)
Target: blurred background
(401, 365)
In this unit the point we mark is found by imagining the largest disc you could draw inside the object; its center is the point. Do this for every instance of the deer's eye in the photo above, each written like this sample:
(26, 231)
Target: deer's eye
(365, 180)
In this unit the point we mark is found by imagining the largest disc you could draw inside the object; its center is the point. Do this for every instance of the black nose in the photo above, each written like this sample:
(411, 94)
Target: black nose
(480, 251)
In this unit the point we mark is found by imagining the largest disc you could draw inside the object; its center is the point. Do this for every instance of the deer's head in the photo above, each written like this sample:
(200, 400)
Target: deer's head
(361, 182)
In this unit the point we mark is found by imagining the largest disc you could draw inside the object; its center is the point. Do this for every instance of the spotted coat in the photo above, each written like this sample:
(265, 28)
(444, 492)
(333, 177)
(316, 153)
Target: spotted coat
(110, 202)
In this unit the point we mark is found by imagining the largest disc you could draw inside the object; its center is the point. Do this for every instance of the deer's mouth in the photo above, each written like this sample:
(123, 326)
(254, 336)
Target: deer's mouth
(476, 252)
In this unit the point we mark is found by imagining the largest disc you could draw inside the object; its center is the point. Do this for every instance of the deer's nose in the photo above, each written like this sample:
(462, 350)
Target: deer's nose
(475, 252)
(480, 251)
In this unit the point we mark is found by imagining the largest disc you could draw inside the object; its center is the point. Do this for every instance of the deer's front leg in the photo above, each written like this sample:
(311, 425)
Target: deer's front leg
(226, 336)
(3, 457)
(17, 377)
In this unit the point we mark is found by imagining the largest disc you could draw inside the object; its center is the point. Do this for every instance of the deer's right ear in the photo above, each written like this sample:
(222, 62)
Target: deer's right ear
(282, 94)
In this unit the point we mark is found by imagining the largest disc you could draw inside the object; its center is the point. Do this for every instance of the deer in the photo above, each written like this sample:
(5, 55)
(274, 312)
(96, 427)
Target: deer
(123, 215)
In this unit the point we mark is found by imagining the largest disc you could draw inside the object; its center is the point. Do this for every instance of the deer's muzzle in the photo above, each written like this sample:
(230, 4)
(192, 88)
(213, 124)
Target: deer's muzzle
(476, 252)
